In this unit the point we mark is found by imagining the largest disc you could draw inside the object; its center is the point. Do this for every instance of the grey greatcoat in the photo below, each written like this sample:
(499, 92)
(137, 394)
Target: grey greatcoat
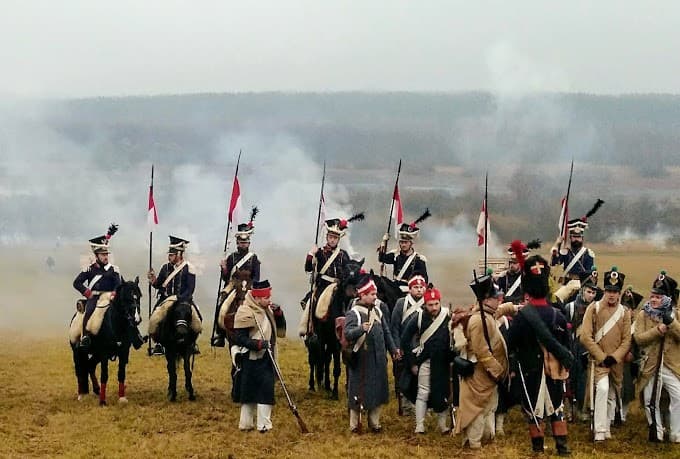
(367, 378)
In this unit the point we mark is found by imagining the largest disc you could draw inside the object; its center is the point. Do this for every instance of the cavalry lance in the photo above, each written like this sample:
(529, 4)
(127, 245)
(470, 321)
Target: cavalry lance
(226, 245)
(383, 248)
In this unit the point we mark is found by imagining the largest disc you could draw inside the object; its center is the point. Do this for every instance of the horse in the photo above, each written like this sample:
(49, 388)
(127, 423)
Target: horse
(178, 339)
(112, 342)
(388, 290)
(324, 346)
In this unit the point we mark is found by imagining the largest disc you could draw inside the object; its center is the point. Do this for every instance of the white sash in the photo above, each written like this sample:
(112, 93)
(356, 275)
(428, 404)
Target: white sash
(434, 326)
(241, 262)
(575, 260)
(413, 306)
(515, 285)
(409, 260)
(329, 262)
(610, 322)
(371, 320)
(96, 278)
(174, 273)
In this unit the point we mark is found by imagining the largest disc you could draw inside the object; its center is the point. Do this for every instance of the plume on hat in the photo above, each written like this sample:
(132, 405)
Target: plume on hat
(517, 248)
(422, 218)
(253, 214)
(113, 228)
(592, 211)
(534, 244)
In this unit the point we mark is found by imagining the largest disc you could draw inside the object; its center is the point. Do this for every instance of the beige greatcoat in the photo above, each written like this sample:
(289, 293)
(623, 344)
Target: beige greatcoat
(648, 337)
(615, 343)
(475, 390)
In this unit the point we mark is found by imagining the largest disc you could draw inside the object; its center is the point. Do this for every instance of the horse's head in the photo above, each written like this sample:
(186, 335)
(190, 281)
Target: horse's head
(179, 320)
(128, 299)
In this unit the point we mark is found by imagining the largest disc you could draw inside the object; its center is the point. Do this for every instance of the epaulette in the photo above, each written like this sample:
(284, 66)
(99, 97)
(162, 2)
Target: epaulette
(191, 268)
(591, 253)
(422, 257)
(116, 269)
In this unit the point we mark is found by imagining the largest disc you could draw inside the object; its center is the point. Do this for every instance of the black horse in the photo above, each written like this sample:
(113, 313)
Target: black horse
(324, 346)
(112, 342)
(178, 339)
(388, 290)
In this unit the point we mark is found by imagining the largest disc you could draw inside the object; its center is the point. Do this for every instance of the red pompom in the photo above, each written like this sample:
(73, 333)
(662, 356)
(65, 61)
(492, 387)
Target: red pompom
(343, 224)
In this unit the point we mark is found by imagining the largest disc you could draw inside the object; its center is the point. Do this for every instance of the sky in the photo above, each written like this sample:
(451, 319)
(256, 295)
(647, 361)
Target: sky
(85, 48)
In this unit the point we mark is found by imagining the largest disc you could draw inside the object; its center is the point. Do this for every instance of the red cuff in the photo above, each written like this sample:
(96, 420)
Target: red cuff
(87, 293)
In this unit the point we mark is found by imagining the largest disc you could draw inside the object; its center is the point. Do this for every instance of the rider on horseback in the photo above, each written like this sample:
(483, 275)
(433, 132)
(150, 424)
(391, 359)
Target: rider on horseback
(239, 270)
(100, 277)
(177, 277)
(329, 263)
(406, 260)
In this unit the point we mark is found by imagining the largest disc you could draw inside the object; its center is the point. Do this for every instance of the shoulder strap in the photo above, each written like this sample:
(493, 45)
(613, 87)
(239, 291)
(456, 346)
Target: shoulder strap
(174, 273)
(515, 285)
(329, 262)
(575, 260)
(240, 263)
(408, 262)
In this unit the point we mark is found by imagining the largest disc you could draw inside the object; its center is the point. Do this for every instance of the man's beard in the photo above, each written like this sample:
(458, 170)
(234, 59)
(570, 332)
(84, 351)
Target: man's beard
(576, 245)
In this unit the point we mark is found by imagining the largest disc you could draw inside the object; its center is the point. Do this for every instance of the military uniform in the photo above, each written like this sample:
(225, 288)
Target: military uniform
(96, 279)
(367, 383)
(606, 334)
(485, 346)
(405, 263)
(536, 327)
(652, 343)
(426, 343)
(575, 259)
(239, 270)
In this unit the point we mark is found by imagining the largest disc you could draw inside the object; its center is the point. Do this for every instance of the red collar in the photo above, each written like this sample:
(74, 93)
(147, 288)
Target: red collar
(538, 301)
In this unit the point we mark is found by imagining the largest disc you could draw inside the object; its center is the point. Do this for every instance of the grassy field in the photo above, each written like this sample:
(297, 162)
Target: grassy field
(40, 416)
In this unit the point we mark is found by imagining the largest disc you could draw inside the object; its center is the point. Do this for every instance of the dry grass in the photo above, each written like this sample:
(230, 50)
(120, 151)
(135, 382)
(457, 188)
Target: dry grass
(40, 417)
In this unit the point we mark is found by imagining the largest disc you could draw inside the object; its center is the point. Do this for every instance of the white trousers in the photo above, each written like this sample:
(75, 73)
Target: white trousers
(250, 412)
(422, 396)
(605, 406)
(484, 425)
(670, 382)
(373, 418)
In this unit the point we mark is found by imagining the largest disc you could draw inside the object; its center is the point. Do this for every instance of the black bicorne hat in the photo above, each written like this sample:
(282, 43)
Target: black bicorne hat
(484, 287)
(409, 231)
(535, 275)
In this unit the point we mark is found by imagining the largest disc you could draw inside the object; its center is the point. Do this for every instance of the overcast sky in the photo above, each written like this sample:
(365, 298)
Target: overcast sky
(79, 48)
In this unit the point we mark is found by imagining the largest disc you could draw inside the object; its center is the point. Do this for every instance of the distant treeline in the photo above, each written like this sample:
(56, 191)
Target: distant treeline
(365, 129)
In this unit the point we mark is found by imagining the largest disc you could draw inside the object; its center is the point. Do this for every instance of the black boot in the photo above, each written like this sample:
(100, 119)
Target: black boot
(537, 444)
(85, 341)
(561, 445)
(218, 341)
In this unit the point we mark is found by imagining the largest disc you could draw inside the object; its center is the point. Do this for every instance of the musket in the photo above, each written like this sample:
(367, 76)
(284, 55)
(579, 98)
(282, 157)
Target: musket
(452, 408)
(593, 392)
(291, 405)
(150, 260)
(653, 436)
(383, 247)
(226, 244)
(565, 220)
(526, 394)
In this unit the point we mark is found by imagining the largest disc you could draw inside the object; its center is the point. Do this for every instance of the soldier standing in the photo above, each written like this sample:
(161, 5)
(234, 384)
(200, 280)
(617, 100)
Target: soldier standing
(406, 260)
(539, 338)
(486, 346)
(657, 332)
(605, 334)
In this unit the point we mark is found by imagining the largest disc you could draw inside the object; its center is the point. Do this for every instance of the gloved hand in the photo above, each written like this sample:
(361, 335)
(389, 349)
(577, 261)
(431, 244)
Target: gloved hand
(386, 237)
(609, 361)
(87, 294)
(151, 276)
(667, 318)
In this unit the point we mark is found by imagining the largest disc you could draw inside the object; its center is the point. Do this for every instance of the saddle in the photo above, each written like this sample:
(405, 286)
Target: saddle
(161, 311)
(94, 324)
(323, 304)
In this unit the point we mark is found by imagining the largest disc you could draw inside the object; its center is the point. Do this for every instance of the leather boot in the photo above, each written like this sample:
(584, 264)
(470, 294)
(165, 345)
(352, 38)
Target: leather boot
(561, 445)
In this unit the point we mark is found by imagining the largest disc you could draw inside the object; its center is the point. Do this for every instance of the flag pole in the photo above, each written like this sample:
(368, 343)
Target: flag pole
(486, 220)
(226, 244)
(150, 250)
(383, 248)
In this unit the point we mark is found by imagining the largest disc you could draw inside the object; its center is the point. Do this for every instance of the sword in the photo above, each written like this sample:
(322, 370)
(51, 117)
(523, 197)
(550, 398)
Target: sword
(593, 391)
(526, 394)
